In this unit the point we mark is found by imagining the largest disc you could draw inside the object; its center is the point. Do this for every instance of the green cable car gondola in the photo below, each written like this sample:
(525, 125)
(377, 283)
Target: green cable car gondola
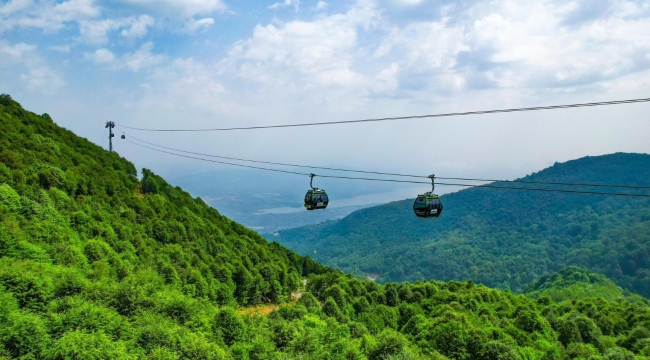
(315, 198)
(428, 204)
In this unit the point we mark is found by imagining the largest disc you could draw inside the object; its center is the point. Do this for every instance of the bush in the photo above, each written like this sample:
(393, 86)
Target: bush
(230, 326)
(72, 314)
(9, 198)
(24, 334)
(309, 301)
(80, 345)
(618, 353)
(582, 351)
(450, 339)
(389, 343)
(176, 305)
(25, 280)
(498, 350)
(193, 346)
(331, 308)
(155, 332)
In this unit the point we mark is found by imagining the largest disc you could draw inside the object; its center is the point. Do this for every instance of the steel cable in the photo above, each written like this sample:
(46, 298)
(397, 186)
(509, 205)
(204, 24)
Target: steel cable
(482, 112)
(394, 174)
(397, 181)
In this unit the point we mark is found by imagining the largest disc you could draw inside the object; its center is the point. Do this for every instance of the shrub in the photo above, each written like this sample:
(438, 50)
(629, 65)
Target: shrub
(25, 280)
(24, 334)
(9, 198)
(389, 343)
(230, 326)
(450, 339)
(80, 345)
(194, 346)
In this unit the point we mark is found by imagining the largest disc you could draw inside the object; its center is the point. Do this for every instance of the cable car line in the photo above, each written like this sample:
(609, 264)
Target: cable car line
(394, 180)
(285, 171)
(552, 183)
(280, 164)
(482, 112)
(394, 174)
(219, 162)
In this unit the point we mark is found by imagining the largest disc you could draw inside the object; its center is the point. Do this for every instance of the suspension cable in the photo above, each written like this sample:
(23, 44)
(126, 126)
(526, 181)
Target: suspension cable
(482, 112)
(393, 180)
(393, 174)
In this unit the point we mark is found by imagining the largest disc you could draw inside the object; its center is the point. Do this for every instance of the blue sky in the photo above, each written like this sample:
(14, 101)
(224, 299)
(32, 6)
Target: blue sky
(207, 63)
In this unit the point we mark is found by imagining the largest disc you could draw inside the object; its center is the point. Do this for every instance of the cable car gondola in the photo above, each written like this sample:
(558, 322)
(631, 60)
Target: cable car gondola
(315, 198)
(428, 204)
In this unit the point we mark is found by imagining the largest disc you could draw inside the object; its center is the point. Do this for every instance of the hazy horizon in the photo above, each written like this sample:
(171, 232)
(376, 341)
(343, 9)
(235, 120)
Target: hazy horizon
(216, 63)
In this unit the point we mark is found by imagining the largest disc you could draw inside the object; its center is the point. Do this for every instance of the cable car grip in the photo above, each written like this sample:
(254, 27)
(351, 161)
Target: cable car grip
(433, 182)
(311, 179)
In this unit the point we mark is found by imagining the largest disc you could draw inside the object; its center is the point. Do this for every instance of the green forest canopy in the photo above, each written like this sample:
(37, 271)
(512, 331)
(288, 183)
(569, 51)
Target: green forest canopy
(574, 283)
(97, 264)
(500, 238)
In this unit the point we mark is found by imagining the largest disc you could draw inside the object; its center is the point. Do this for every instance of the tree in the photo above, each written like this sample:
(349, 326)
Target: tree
(230, 327)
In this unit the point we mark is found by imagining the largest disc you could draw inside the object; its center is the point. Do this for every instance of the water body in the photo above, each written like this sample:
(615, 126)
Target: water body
(268, 202)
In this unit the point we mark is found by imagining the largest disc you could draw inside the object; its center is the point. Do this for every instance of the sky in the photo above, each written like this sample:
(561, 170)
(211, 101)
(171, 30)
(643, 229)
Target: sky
(221, 63)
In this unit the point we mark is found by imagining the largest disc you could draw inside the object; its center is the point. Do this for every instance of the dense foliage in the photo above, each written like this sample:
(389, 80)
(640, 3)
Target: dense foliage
(96, 264)
(500, 238)
(574, 283)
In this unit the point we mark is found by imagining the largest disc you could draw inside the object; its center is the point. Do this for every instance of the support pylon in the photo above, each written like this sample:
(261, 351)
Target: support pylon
(110, 125)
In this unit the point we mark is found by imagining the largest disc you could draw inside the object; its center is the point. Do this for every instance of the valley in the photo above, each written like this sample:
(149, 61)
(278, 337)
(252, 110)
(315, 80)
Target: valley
(500, 238)
(97, 262)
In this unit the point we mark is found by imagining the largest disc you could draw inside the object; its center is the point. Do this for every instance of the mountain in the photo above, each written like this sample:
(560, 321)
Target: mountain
(96, 263)
(574, 283)
(500, 238)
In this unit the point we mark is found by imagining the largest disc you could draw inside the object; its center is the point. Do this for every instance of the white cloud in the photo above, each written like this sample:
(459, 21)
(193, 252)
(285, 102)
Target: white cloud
(294, 3)
(186, 8)
(45, 14)
(42, 78)
(143, 58)
(515, 45)
(427, 54)
(96, 32)
(183, 86)
(73, 10)
(22, 62)
(14, 6)
(528, 45)
(101, 56)
(409, 2)
(61, 48)
(318, 52)
(192, 25)
(138, 27)
(15, 52)
(387, 80)
(194, 79)
(321, 5)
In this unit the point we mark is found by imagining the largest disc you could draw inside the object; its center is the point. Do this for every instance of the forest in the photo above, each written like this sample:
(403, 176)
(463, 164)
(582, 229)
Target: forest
(500, 238)
(97, 263)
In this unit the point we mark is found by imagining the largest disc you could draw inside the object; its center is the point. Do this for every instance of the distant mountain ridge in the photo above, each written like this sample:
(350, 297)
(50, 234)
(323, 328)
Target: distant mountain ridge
(501, 238)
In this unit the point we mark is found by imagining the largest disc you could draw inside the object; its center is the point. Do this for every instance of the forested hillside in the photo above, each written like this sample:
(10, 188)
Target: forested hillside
(98, 264)
(500, 238)
(574, 283)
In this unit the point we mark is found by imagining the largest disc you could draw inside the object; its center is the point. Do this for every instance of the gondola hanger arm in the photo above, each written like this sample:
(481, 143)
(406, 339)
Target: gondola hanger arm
(433, 182)
(311, 179)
